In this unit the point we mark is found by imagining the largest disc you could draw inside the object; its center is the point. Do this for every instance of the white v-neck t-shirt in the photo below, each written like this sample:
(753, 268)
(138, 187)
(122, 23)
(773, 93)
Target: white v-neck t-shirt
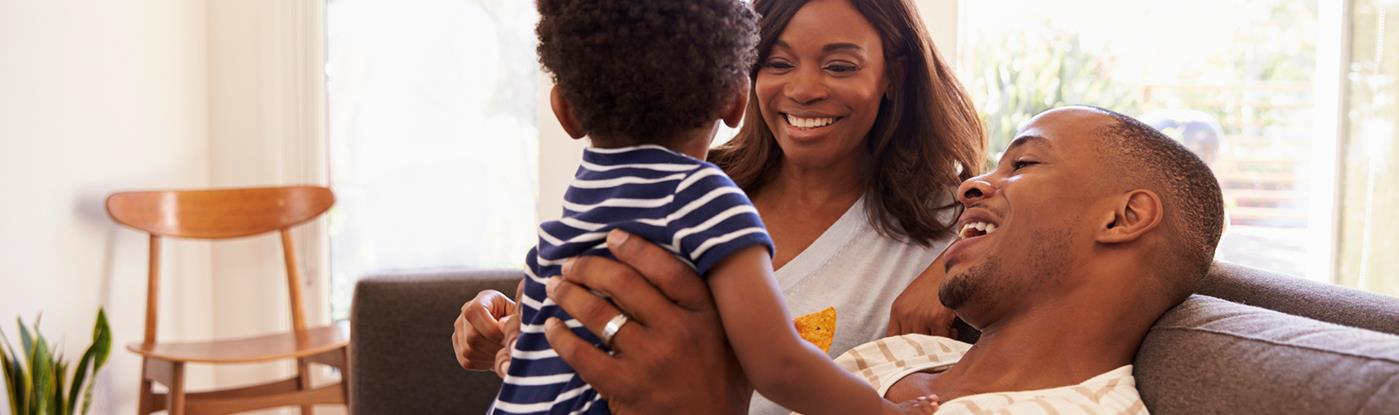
(855, 269)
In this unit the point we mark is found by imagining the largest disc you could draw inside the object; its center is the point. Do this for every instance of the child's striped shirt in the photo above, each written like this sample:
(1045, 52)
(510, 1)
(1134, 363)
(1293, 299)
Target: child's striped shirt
(686, 205)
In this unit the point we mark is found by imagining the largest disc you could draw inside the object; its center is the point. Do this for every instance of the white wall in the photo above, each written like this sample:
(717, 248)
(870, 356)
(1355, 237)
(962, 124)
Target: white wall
(97, 97)
(942, 17)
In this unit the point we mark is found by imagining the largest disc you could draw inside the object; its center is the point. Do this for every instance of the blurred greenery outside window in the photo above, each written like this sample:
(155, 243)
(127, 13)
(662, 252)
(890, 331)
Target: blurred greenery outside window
(1237, 82)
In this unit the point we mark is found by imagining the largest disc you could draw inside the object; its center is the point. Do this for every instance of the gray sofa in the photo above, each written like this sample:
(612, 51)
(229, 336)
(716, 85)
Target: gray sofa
(1251, 342)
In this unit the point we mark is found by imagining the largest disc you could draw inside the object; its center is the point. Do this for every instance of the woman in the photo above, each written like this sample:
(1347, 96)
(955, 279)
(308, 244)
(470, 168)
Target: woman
(857, 133)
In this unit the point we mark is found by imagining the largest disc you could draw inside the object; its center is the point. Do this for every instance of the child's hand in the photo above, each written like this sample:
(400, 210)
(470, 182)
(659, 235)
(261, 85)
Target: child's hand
(922, 405)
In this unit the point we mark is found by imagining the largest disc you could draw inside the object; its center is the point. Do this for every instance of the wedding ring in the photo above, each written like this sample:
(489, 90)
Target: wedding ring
(613, 325)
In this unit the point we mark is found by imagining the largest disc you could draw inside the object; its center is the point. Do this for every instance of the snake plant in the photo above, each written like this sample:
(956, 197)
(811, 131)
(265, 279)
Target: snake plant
(38, 382)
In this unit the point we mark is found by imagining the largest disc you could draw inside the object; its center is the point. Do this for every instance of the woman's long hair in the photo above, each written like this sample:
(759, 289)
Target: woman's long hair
(926, 139)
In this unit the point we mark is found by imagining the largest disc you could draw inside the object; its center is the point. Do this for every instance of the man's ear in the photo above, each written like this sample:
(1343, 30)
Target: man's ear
(738, 104)
(563, 113)
(1134, 214)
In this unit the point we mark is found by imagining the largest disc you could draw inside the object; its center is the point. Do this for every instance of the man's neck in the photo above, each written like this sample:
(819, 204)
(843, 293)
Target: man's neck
(1058, 343)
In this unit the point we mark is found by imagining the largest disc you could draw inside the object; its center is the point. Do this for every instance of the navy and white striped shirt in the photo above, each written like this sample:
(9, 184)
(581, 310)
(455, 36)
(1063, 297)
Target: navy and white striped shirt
(683, 204)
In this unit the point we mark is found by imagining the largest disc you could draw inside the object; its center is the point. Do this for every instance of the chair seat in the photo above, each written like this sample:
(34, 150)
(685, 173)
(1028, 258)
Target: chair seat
(313, 341)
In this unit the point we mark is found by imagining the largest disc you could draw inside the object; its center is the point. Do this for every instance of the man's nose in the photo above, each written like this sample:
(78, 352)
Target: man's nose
(974, 190)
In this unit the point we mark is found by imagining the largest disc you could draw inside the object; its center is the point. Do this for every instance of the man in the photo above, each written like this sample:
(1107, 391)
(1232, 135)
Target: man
(1092, 226)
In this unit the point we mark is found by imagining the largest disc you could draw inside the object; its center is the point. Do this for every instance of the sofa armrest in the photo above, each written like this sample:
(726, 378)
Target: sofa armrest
(401, 347)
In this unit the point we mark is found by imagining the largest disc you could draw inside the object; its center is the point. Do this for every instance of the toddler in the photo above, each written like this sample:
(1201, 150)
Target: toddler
(648, 82)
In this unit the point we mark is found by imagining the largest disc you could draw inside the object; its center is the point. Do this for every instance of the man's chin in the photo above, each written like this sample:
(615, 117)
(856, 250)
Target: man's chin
(955, 290)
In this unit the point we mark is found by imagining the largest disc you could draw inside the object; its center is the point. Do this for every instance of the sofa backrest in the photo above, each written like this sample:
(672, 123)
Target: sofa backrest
(1301, 297)
(401, 347)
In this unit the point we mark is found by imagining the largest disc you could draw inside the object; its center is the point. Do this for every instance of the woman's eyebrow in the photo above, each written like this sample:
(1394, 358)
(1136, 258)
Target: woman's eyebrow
(842, 46)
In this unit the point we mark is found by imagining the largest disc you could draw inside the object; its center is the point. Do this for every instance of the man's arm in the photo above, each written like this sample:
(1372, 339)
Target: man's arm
(672, 357)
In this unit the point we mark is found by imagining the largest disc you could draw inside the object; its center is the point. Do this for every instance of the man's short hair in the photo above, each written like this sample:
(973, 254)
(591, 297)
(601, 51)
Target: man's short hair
(648, 70)
(1194, 219)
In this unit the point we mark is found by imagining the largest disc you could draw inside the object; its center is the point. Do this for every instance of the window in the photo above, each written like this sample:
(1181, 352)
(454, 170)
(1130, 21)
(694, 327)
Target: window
(1370, 194)
(1238, 82)
(433, 136)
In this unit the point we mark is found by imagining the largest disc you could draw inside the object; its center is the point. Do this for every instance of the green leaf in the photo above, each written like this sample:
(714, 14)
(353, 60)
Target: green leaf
(27, 376)
(41, 367)
(95, 356)
(25, 339)
(87, 398)
(101, 339)
(9, 369)
(60, 374)
(79, 377)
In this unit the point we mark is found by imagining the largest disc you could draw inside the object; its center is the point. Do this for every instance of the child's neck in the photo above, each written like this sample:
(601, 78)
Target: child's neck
(693, 143)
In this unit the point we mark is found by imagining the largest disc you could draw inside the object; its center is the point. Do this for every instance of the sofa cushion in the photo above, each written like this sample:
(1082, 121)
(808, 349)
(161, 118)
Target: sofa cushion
(1209, 355)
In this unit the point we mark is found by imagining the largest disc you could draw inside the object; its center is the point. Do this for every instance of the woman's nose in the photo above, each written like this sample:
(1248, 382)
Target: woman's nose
(806, 87)
(974, 190)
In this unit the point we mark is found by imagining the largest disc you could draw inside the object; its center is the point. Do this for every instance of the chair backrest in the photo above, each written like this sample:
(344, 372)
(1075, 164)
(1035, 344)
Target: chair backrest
(220, 214)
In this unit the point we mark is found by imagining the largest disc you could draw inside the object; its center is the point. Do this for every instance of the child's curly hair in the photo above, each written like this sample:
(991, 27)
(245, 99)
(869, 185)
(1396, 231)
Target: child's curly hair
(644, 71)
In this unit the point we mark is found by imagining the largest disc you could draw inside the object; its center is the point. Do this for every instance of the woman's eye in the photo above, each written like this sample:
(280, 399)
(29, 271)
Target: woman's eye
(1020, 164)
(777, 65)
(841, 68)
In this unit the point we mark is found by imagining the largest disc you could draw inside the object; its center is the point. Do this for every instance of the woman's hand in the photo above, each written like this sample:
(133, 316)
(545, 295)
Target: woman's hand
(918, 310)
(485, 331)
(672, 357)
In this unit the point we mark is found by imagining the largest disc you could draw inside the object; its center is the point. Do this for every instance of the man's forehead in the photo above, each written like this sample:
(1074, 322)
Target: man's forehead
(1063, 128)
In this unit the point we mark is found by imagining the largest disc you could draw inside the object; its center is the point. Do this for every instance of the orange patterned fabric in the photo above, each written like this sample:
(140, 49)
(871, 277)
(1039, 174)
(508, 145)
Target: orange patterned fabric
(819, 328)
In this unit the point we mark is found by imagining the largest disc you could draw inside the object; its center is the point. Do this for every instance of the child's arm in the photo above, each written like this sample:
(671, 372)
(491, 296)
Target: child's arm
(785, 368)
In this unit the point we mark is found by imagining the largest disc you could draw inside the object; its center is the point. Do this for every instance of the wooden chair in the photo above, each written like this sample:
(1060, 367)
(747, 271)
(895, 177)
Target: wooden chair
(223, 214)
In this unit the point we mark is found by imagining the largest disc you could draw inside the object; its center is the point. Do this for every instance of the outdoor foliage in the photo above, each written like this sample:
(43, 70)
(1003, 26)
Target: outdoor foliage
(1033, 71)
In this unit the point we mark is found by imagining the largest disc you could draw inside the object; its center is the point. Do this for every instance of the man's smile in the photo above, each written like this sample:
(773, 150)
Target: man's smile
(975, 225)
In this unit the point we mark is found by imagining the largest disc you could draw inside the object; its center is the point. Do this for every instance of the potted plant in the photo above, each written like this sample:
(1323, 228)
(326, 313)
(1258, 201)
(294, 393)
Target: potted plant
(38, 382)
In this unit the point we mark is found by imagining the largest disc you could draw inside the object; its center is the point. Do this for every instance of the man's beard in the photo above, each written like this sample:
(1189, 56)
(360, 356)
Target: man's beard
(962, 286)
(991, 281)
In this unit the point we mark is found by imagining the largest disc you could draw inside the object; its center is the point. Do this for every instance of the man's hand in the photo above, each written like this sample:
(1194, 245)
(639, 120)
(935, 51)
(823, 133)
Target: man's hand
(918, 310)
(485, 330)
(672, 357)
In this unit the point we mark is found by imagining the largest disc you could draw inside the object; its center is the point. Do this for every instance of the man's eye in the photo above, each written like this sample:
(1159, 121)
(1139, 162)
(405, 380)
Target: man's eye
(1020, 164)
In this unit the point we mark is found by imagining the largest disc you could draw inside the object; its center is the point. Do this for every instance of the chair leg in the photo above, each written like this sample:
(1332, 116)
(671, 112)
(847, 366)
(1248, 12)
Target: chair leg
(176, 396)
(303, 370)
(345, 378)
(146, 402)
